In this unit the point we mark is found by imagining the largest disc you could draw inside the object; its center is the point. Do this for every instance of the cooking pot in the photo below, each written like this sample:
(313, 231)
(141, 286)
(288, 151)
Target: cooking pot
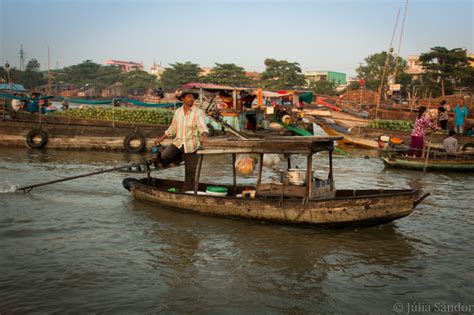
(294, 176)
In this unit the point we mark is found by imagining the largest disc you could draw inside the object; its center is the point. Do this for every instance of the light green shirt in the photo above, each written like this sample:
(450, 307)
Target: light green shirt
(187, 129)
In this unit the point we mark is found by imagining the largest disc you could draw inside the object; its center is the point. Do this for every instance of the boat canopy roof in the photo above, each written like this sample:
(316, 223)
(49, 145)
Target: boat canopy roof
(278, 145)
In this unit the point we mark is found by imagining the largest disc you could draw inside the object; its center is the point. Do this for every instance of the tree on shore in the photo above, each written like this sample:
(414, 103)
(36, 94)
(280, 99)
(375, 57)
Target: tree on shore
(178, 74)
(442, 65)
(372, 71)
(227, 74)
(282, 75)
(323, 87)
(139, 80)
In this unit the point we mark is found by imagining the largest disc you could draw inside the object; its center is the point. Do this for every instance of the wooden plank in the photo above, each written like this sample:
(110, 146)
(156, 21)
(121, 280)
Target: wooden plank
(272, 189)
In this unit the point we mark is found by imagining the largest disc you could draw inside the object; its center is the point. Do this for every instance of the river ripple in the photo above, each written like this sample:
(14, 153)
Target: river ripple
(88, 246)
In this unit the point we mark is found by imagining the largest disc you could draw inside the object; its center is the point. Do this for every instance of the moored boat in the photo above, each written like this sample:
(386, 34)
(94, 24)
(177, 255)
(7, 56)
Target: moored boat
(455, 162)
(313, 201)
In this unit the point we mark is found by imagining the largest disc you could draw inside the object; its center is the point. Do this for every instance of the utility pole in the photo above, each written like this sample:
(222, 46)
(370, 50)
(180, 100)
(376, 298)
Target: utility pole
(22, 58)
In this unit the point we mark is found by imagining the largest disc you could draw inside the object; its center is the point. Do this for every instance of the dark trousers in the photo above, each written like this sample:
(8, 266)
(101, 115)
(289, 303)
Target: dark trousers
(443, 124)
(174, 155)
(416, 146)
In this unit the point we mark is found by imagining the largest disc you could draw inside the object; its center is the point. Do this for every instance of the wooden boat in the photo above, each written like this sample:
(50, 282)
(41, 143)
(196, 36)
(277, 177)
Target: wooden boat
(314, 202)
(365, 137)
(454, 162)
(59, 132)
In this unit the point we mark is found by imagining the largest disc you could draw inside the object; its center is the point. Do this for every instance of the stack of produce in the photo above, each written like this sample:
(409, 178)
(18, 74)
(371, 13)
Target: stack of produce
(369, 97)
(400, 125)
(127, 115)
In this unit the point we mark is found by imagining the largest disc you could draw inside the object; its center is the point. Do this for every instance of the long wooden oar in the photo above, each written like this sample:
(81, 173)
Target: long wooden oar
(27, 189)
(428, 153)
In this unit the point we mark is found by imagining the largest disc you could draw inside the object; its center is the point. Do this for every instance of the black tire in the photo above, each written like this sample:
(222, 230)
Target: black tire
(129, 182)
(134, 143)
(36, 139)
(467, 146)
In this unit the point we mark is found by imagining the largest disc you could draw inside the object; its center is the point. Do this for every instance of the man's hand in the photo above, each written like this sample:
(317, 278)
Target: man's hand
(204, 136)
(160, 140)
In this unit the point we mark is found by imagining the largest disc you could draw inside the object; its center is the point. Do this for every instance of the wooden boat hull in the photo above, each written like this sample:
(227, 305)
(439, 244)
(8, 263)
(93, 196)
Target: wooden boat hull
(365, 137)
(432, 165)
(78, 134)
(348, 208)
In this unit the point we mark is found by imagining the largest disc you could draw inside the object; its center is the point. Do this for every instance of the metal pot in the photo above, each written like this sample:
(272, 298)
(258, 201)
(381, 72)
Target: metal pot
(294, 176)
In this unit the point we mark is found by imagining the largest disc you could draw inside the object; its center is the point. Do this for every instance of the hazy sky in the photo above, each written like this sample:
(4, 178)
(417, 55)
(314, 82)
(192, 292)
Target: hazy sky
(320, 35)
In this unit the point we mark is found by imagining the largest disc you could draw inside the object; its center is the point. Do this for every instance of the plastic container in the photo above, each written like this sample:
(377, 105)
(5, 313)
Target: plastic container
(216, 191)
(191, 192)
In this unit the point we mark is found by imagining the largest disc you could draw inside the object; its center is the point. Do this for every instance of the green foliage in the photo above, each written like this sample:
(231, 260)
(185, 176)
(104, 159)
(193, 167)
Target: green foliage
(139, 79)
(227, 74)
(445, 65)
(178, 74)
(80, 74)
(282, 75)
(16, 75)
(136, 116)
(323, 87)
(372, 71)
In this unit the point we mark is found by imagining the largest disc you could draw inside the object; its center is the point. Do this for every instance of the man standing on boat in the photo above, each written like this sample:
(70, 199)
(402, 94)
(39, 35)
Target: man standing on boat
(188, 129)
(460, 115)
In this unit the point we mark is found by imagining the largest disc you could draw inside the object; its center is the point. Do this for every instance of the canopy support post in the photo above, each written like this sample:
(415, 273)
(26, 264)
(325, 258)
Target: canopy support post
(309, 176)
(234, 174)
(330, 170)
(260, 168)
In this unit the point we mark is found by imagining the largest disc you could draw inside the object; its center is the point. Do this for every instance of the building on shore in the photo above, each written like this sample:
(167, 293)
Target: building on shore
(338, 78)
(125, 66)
(415, 68)
(157, 70)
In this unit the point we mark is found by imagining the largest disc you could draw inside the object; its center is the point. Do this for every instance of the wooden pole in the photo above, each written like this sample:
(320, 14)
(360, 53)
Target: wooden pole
(428, 153)
(49, 73)
(198, 174)
(330, 170)
(309, 176)
(27, 189)
(260, 168)
(234, 174)
(389, 52)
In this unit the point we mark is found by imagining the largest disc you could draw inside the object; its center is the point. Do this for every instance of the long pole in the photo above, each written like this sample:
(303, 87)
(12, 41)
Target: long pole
(27, 189)
(400, 42)
(428, 153)
(49, 73)
(379, 94)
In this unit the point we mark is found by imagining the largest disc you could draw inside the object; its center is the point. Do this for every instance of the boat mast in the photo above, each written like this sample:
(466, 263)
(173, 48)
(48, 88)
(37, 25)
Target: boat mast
(49, 72)
(390, 49)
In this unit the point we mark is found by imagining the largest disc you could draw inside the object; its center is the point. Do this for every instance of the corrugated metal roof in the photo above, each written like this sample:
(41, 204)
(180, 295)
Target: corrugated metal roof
(13, 87)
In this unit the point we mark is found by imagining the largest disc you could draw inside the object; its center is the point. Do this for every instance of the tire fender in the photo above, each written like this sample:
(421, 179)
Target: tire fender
(36, 139)
(134, 142)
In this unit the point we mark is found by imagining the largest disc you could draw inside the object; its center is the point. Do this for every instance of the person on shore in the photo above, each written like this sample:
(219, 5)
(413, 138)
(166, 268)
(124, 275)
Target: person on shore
(188, 129)
(418, 134)
(460, 115)
(443, 115)
(450, 144)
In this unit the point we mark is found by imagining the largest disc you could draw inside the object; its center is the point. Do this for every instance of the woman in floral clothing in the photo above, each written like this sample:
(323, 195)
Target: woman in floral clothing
(418, 134)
